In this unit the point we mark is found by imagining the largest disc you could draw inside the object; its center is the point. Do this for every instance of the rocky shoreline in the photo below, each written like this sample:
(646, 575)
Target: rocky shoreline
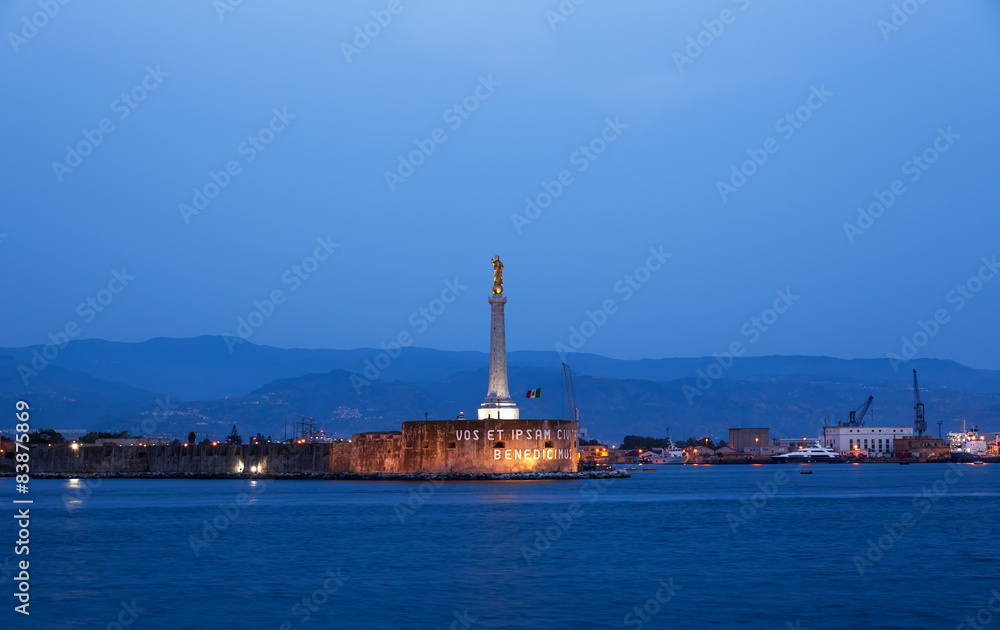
(608, 474)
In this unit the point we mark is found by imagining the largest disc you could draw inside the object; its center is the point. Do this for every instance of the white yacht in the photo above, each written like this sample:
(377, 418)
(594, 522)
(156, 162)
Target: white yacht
(814, 453)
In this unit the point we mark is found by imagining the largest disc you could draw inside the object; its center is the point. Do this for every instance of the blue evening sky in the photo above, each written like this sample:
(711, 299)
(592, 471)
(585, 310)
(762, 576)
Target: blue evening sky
(541, 88)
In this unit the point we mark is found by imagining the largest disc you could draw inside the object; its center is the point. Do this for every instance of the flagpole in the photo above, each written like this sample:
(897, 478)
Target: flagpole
(543, 405)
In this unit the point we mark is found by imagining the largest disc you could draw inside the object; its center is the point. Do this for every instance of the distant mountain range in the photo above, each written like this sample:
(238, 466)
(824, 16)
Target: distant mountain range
(173, 386)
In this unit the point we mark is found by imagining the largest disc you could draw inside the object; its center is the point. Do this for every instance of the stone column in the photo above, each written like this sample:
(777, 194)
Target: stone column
(498, 403)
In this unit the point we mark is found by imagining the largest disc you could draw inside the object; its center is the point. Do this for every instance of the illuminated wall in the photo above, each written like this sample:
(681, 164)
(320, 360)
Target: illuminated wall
(470, 446)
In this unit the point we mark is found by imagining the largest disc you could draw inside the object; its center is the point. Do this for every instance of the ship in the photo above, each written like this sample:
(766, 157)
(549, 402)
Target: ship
(669, 455)
(808, 455)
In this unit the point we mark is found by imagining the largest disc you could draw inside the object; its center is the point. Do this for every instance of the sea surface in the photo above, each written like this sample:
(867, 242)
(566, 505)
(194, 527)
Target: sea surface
(849, 546)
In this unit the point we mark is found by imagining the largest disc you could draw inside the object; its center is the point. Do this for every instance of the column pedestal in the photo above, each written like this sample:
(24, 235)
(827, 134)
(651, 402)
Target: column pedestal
(498, 403)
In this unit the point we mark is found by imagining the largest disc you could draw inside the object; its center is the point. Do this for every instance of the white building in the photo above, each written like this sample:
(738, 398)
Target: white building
(875, 440)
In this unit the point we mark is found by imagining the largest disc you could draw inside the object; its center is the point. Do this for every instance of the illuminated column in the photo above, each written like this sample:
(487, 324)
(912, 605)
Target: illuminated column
(498, 403)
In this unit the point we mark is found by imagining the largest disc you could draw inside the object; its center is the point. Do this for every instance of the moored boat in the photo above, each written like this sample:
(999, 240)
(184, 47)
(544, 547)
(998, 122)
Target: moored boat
(809, 455)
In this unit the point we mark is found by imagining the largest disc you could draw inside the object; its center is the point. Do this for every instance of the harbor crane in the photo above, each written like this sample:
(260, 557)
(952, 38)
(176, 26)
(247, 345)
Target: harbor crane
(857, 417)
(919, 423)
(573, 413)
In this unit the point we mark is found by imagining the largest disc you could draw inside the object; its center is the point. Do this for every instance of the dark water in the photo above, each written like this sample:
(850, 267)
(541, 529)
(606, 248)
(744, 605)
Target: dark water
(412, 555)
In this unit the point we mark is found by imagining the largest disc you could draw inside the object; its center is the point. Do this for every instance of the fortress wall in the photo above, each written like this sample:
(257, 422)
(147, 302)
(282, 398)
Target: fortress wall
(376, 452)
(489, 446)
(436, 446)
(201, 459)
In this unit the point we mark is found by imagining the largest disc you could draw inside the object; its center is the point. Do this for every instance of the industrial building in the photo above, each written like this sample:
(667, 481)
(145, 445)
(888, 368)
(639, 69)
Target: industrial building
(749, 440)
(921, 447)
(873, 441)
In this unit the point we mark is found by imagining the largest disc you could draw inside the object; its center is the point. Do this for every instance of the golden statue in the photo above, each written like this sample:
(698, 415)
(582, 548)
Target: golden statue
(497, 276)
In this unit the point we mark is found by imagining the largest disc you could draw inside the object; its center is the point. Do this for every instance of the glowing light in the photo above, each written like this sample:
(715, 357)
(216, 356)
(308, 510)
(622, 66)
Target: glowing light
(75, 446)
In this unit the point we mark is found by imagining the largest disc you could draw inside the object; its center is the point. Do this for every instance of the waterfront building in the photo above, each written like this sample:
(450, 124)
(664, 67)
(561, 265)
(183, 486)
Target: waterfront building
(921, 447)
(790, 444)
(876, 441)
(594, 454)
(749, 440)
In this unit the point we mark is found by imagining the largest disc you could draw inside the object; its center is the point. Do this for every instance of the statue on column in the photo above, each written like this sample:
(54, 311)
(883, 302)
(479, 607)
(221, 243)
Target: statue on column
(497, 276)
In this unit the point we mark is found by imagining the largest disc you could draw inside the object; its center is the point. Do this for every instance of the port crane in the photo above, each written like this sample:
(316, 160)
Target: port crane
(857, 417)
(919, 423)
(574, 414)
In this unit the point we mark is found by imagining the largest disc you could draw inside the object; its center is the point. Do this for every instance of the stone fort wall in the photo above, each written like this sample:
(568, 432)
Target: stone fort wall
(470, 446)
(202, 459)
(435, 446)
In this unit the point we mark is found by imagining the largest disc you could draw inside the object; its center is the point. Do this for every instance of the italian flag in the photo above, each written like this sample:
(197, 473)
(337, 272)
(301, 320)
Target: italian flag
(535, 393)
